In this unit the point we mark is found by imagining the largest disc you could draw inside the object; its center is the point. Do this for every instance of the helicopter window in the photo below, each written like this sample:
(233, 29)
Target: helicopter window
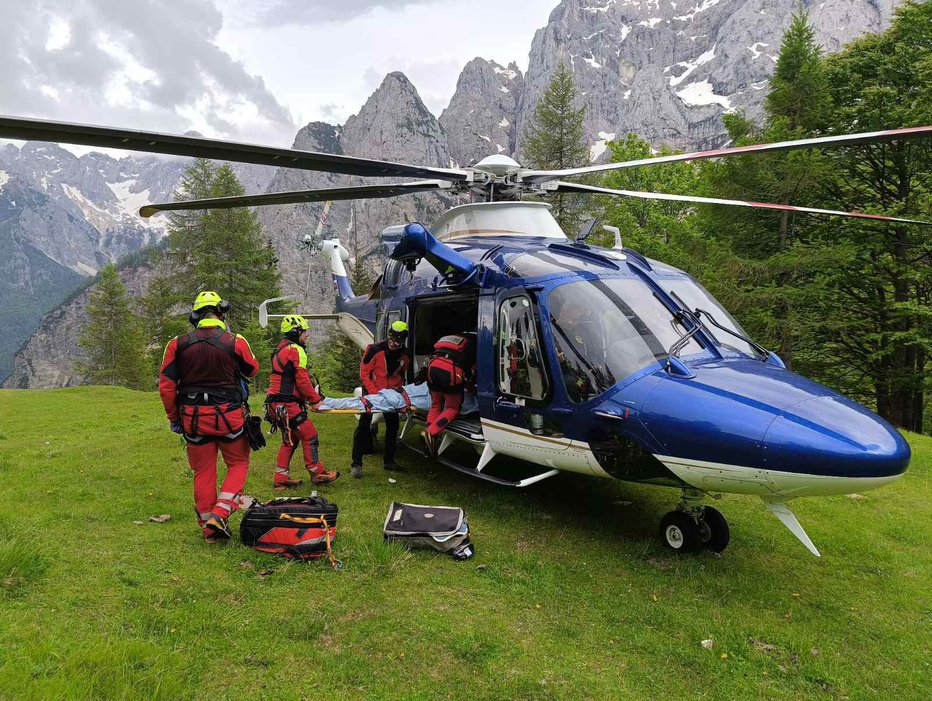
(604, 330)
(521, 366)
(549, 262)
(696, 296)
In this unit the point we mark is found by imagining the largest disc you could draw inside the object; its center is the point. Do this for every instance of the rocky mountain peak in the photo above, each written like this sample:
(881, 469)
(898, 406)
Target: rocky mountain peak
(712, 56)
(480, 120)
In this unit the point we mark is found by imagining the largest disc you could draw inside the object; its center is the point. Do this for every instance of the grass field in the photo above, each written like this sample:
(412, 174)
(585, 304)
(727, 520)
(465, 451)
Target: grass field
(570, 595)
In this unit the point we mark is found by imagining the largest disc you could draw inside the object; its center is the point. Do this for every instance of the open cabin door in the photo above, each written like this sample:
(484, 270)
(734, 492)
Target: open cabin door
(522, 384)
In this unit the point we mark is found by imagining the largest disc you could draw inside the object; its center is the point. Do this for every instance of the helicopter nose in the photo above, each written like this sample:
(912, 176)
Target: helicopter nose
(748, 426)
(834, 437)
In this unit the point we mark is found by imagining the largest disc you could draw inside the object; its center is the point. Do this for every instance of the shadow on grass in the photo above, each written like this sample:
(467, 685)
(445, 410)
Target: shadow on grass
(583, 506)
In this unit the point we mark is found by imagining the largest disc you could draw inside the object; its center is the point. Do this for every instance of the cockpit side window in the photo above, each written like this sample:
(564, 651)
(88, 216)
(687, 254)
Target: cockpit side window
(521, 370)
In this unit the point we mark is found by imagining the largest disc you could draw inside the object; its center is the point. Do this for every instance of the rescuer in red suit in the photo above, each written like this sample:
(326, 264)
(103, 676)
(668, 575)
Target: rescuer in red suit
(290, 392)
(383, 366)
(199, 384)
(449, 369)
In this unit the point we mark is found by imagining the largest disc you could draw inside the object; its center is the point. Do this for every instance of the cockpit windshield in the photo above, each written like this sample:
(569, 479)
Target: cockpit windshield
(695, 296)
(607, 329)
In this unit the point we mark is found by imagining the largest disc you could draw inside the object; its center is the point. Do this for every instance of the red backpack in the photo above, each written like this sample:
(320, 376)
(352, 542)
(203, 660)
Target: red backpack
(447, 367)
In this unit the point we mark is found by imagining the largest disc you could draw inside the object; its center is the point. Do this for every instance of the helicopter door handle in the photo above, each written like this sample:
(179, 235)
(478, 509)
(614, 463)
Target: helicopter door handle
(503, 404)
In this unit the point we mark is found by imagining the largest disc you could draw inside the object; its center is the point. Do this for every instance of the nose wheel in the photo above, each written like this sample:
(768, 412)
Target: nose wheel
(694, 527)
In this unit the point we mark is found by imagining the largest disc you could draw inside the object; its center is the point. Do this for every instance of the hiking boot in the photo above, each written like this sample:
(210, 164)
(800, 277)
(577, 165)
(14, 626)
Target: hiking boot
(287, 483)
(356, 471)
(430, 449)
(393, 467)
(218, 528)
(323, 477)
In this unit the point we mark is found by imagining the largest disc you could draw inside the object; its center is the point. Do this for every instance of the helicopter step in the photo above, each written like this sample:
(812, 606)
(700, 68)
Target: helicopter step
(467, 430)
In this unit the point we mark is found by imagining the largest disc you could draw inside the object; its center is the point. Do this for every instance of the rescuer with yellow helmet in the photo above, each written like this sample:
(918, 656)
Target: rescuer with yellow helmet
(290, 392)
(199, 384)
(384, 365)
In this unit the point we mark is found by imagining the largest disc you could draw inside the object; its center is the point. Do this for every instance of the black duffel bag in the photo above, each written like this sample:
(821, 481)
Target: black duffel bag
(442, 528)
(301, 528)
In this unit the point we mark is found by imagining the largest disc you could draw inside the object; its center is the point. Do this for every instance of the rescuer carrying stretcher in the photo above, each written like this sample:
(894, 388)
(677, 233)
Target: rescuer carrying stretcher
(289, 394)
(200, 387)
(383, 366)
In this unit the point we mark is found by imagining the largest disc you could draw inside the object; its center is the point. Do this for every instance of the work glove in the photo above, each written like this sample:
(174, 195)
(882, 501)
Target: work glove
(177, 427)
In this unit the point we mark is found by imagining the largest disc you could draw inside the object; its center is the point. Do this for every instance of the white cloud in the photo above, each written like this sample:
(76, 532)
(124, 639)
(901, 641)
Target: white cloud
(132, 63)
(228, 70)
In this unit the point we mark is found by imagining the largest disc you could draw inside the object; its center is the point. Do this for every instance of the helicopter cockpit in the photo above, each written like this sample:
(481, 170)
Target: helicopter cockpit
(605, 330)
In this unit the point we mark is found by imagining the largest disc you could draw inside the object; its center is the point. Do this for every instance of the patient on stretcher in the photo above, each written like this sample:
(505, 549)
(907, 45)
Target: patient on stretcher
(394, 400)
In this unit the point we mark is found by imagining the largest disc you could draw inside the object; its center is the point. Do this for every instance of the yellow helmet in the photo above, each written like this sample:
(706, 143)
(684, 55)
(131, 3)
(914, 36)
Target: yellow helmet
(206, 299)
(398, 331)
(294, 322)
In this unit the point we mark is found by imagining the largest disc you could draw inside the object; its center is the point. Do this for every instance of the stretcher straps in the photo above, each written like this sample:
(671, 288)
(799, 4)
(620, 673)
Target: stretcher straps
(405, 396)
(366, 405)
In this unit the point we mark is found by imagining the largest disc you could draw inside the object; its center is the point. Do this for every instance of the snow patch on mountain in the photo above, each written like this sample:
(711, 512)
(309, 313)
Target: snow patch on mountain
(702, 93)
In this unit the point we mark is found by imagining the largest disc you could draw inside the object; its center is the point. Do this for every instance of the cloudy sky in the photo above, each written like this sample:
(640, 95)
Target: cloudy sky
(249, 70)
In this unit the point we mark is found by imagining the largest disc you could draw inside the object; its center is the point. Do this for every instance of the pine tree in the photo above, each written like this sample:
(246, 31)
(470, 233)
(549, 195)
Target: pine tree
(113, 341)
(554, 139)
(775, 255)
(881, 281)
(798, 96)
(221, 249)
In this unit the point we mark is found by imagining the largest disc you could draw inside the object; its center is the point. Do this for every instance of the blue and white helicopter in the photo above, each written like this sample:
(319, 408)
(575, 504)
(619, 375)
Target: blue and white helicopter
(590, 360)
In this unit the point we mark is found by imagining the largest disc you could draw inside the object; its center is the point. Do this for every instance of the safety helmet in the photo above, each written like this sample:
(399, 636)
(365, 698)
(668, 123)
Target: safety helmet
(398, 331)
(207, 298)
(294, 323)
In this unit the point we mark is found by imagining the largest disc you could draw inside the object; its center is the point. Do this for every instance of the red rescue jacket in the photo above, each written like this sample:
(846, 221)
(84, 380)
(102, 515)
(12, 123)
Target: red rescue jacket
(204, 361)
(290, 381)
(382, 368)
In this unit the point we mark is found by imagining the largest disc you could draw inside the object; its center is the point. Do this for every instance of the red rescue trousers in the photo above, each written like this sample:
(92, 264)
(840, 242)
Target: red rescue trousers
(306, 435)
(444, 407)
(203, 461)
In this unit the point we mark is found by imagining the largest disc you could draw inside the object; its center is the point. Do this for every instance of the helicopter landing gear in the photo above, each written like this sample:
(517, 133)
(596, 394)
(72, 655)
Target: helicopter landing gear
(694, 526)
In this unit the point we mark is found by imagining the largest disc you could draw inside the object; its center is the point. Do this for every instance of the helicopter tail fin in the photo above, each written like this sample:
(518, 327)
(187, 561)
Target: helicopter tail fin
(337, 255)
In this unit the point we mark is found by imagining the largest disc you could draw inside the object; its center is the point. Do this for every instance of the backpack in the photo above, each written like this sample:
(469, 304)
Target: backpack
(442, 528)
(301, 528)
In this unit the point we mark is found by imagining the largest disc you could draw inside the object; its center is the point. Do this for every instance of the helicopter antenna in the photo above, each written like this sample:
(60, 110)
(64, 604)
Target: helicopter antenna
(586, 230)
(614, 230)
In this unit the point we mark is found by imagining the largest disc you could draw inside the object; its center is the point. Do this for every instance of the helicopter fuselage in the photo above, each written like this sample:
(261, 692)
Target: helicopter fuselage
(587, 363)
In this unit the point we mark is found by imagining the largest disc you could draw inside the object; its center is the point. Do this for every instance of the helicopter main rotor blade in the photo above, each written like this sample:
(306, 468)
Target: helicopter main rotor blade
(199, 147)
(590, 189)
(331, 193)
(540, 176)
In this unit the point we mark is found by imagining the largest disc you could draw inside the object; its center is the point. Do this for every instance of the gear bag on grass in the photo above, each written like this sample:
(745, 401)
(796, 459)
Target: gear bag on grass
(442, 528)
(302, 528)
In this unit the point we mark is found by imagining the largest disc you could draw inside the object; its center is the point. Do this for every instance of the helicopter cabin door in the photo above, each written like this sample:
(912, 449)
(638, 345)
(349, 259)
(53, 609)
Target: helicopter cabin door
(522, 384)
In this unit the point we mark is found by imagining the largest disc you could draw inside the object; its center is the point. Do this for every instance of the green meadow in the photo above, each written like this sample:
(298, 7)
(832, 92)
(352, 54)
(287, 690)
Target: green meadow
(570, 595)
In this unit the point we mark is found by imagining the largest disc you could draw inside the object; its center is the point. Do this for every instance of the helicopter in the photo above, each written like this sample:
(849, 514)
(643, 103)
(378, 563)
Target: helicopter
(591, 360)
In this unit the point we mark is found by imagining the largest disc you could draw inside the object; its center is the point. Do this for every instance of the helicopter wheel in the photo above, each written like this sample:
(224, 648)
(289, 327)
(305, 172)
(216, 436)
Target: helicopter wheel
(679, 532)
(714, 534)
